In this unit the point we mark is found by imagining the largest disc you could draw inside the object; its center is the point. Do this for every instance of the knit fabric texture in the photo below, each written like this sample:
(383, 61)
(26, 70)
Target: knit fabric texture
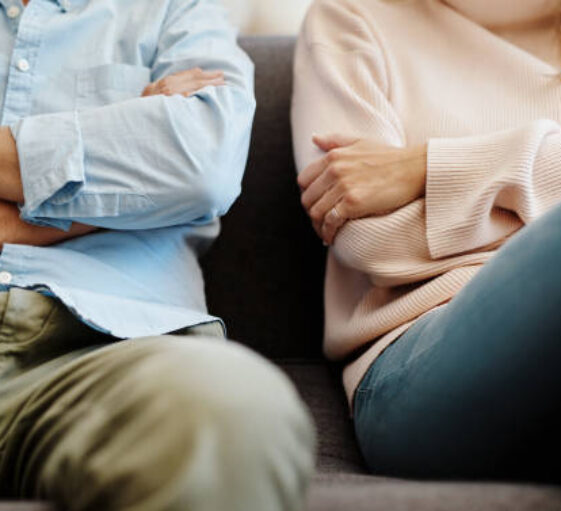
(488, 103)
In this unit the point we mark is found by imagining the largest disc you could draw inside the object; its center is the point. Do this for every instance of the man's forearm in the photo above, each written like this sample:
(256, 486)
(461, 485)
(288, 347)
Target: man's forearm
(14, 230)
(186, 83)
(11, 188)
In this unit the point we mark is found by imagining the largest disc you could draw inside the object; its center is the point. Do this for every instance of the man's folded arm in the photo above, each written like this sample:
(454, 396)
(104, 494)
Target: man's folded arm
(152, 161)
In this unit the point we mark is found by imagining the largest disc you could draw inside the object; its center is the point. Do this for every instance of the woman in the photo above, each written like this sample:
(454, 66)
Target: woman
(428, 145)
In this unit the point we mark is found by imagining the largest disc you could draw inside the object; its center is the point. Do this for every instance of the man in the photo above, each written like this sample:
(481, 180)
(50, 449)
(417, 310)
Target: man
(124, 134)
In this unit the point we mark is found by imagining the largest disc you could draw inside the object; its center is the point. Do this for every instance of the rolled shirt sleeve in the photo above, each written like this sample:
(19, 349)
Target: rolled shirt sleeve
(147, 162)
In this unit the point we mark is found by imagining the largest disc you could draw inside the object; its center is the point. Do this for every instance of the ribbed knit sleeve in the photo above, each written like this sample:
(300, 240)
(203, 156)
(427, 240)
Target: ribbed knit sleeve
(404, 73)
(341, 84)
(480, 189)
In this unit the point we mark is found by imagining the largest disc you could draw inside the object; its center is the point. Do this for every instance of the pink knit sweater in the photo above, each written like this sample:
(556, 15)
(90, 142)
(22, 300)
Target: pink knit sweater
(488, 101)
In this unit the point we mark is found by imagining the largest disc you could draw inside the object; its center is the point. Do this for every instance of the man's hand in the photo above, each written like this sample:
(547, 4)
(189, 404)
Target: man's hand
(185, 83)
(15, 230)
(358, 178)
(10, 179)
(12, 228)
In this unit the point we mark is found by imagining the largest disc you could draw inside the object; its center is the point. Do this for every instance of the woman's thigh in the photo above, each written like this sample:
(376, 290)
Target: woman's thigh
(473, 389)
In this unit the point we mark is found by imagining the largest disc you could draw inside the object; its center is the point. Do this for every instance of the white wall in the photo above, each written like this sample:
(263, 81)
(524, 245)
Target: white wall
(275, 17)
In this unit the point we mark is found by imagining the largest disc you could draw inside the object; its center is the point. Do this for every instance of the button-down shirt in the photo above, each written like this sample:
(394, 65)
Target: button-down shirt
(154, 173)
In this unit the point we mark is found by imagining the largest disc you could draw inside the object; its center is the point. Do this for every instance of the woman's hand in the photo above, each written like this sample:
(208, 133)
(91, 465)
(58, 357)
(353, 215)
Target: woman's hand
(185, 83)
(358, 178)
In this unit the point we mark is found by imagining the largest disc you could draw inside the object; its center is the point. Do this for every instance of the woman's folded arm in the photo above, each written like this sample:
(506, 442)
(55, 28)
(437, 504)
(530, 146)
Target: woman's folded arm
(480, 188)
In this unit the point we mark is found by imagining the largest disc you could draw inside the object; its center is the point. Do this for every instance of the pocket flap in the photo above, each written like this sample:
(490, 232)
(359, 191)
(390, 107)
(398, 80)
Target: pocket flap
(124, 77)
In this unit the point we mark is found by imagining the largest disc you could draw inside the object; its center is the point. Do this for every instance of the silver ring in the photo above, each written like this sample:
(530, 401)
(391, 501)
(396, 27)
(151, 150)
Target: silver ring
(334, 214)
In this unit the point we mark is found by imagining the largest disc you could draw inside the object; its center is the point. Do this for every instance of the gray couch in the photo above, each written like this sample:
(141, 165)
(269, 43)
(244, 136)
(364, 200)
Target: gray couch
(265, 276)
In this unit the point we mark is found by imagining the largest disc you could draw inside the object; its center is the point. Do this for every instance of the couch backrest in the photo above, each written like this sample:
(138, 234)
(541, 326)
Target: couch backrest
(264, 275)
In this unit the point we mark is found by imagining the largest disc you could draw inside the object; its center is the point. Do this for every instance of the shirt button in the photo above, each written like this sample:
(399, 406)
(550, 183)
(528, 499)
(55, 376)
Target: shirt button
(23, 65)
(13, 11)
(65, 4)
(5, 277)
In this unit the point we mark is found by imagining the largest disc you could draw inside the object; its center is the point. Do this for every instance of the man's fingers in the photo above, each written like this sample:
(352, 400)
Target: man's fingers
(197, 75)
(212, 74)
(212, 81)
(333, 141)
(201, 84)
(185, 82)
(148, 90)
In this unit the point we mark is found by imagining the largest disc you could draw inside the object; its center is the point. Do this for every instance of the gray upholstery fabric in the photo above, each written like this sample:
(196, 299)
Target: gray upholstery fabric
(265, 275)
(360, 493)
(320, 388)
(342, 482)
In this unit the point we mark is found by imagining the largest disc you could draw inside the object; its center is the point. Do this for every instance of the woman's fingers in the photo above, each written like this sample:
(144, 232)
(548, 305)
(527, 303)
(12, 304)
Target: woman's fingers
(316, 190)
(362, 179)
(333, 141)
(334, 220)
(321, 214)
(319, 183)
(334, 147)
(312, 171)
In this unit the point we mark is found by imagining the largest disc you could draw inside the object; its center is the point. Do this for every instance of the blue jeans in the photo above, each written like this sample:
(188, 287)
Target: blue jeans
(473, 389)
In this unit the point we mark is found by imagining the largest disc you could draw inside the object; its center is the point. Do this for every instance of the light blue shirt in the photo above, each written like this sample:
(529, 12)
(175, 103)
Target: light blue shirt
(156, 172)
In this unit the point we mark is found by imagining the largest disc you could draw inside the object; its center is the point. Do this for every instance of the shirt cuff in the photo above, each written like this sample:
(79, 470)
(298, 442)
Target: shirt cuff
(51, 157)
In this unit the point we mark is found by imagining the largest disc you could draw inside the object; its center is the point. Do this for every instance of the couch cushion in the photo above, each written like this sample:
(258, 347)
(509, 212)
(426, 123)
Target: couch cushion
(320, 387)
(264, 275)
(342, 482)
(366, 493)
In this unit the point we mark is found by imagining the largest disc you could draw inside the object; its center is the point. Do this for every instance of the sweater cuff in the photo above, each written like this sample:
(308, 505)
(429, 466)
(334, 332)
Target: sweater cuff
(452, 168)
(467, 177)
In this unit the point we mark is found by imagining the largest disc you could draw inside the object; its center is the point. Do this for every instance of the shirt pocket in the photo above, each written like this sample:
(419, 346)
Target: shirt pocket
(109, 83)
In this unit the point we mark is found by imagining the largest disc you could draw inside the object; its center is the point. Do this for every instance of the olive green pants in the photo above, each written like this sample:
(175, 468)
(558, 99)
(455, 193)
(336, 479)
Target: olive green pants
(179, 422)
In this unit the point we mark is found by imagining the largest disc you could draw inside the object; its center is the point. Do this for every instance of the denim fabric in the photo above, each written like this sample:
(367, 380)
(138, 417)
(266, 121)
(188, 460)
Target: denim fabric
(473, 389)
